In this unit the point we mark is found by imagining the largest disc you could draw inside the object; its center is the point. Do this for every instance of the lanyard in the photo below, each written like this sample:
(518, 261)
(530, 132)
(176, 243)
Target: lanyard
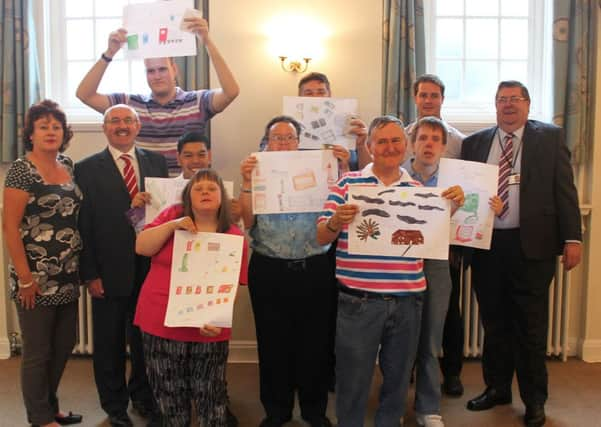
(504, 152)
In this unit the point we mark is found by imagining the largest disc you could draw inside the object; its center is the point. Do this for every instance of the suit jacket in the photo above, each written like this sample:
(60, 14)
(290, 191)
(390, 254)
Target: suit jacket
(549, 212)
(108, 238)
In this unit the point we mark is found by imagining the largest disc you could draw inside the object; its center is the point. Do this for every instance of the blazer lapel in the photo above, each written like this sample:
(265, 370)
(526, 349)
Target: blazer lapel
(112, 173)
(143, 167)
(486, 142)
(530, 146)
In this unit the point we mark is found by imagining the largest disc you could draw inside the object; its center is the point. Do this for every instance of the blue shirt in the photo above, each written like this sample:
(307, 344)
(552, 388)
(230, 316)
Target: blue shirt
(287, 235)
(430, 182)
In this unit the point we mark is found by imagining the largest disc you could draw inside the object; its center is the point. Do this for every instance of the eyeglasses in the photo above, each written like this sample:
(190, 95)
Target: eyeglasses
(283, 139)
(118, 120)
(510, 100)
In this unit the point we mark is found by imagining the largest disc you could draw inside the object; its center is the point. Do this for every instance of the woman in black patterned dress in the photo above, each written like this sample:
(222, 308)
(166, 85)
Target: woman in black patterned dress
(41, 205)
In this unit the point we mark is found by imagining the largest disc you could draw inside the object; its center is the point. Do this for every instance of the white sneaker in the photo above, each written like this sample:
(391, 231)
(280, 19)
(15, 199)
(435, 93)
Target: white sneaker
(431, 420)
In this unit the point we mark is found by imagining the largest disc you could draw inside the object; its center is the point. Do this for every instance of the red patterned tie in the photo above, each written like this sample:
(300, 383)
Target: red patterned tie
(504, 172)
(129, 176)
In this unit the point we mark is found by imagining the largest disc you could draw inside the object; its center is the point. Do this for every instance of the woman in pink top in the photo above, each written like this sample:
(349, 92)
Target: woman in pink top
(185, 364)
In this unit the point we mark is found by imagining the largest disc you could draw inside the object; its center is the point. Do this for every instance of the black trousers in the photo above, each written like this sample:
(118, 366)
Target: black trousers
(113, 329)
(291, 302)
(452, 338)
(513, 294)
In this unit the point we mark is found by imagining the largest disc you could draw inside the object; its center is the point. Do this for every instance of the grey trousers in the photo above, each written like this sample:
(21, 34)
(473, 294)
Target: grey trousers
(48, 335)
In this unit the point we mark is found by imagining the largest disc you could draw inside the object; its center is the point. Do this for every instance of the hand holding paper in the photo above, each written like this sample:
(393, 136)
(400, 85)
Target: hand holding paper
(193, 22)
(116, 40)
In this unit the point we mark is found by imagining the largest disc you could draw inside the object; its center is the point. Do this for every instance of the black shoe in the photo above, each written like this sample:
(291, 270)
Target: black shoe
(156, 420)
(535, 416)
(230, 418)
(273, 422)
(71, 418)
(491, 397)
(319, 422)
(452, 386)
(144, 409)
(120, 420)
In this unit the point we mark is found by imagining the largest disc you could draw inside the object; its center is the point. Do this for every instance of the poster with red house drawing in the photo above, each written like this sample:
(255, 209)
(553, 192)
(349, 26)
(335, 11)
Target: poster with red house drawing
(399, 221)
(204, 279)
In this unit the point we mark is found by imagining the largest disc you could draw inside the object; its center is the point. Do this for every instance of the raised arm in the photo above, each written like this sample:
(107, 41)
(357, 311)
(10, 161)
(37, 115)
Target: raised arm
(246, 207)
(87, 91)
(229, 87)
(150, 241)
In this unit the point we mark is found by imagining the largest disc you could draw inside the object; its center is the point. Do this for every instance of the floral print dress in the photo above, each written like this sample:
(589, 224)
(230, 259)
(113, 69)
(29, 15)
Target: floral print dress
(49, 232)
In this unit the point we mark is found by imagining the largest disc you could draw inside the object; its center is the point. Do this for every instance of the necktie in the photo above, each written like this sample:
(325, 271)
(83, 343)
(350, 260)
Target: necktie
(504, 172)
(129, 176)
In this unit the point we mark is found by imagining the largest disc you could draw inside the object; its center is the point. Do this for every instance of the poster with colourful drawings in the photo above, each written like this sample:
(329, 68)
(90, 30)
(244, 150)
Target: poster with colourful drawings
(323, 120)
(168, 191)
(204, 279)
(292, 181)
(399, 221)
(156, 30)
(472, 224)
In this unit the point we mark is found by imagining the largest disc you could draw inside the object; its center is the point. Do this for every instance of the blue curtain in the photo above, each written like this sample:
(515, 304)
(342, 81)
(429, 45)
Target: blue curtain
(573, 50)
(19, 73)
(194, 70)
(404, 55)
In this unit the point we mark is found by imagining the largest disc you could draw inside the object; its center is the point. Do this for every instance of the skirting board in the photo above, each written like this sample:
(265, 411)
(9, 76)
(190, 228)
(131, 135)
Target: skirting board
(245, 351)
(242, 351)
(4, 348)
(590, 350)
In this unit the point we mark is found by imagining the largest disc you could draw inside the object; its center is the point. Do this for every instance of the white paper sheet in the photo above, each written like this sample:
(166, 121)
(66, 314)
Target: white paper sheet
(292, 181)
(168, 191)
(324, 120)
(154, 30)
(204, 279)
(472, 224)
(399, 221)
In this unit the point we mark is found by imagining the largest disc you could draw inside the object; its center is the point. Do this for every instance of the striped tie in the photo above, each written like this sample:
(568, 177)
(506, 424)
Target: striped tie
(129, 176)
(504, 172)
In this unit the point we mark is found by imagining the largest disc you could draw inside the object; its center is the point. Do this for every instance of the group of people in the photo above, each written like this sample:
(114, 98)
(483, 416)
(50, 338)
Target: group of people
(323, 316)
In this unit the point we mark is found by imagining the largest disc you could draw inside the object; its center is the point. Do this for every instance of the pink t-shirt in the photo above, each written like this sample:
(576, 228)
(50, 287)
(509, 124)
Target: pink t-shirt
(152, 302)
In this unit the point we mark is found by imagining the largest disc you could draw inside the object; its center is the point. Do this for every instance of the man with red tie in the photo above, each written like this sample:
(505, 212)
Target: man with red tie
(112, 182)
(540, 220)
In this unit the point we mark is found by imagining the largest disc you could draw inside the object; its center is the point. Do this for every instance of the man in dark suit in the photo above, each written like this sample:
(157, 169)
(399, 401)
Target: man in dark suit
(539, 221)
(112, 182)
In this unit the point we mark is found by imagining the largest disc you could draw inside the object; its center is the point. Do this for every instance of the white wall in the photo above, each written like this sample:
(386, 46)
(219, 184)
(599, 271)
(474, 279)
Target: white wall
(352, 58)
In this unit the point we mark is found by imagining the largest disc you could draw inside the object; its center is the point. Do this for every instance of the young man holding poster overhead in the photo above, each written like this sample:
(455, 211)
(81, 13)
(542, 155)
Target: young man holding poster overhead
(168, 112)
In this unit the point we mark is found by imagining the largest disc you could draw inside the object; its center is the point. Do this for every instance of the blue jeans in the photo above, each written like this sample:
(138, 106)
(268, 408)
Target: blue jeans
(364, 326)
(436, 304)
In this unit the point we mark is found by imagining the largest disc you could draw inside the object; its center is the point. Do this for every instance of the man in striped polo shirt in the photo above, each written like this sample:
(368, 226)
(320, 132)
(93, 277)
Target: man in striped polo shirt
(380, 298)
(168, 112)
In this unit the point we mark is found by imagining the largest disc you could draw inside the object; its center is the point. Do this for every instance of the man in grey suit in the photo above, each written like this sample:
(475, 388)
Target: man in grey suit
(539, 221)
(112, 182)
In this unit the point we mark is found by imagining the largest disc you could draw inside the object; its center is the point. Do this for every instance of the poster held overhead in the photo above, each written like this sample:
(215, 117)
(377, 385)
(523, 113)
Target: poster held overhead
(157, 30)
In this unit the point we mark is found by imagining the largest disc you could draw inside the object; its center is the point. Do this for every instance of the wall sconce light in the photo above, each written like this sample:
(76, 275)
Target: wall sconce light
(294, 66)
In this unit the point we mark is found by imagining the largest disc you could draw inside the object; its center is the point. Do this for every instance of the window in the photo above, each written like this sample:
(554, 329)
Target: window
(76, 34)
(474, 44)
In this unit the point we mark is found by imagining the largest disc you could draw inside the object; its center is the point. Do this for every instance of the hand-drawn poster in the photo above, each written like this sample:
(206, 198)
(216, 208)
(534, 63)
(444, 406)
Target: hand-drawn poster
(168, 191)
(204, 279)
(472, 223)
(292, 181)
(399, 221)
(323, 120)
(155, 30)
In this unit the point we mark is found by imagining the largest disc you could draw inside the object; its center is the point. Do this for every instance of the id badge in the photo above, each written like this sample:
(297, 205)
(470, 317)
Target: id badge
(514, 179)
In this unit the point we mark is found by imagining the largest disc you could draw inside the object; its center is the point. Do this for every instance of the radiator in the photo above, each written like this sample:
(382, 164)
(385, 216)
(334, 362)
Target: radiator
(557, 338)
(84, 343)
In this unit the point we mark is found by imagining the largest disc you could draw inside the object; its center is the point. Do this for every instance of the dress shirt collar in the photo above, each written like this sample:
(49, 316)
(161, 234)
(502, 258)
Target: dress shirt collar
(117, 153)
